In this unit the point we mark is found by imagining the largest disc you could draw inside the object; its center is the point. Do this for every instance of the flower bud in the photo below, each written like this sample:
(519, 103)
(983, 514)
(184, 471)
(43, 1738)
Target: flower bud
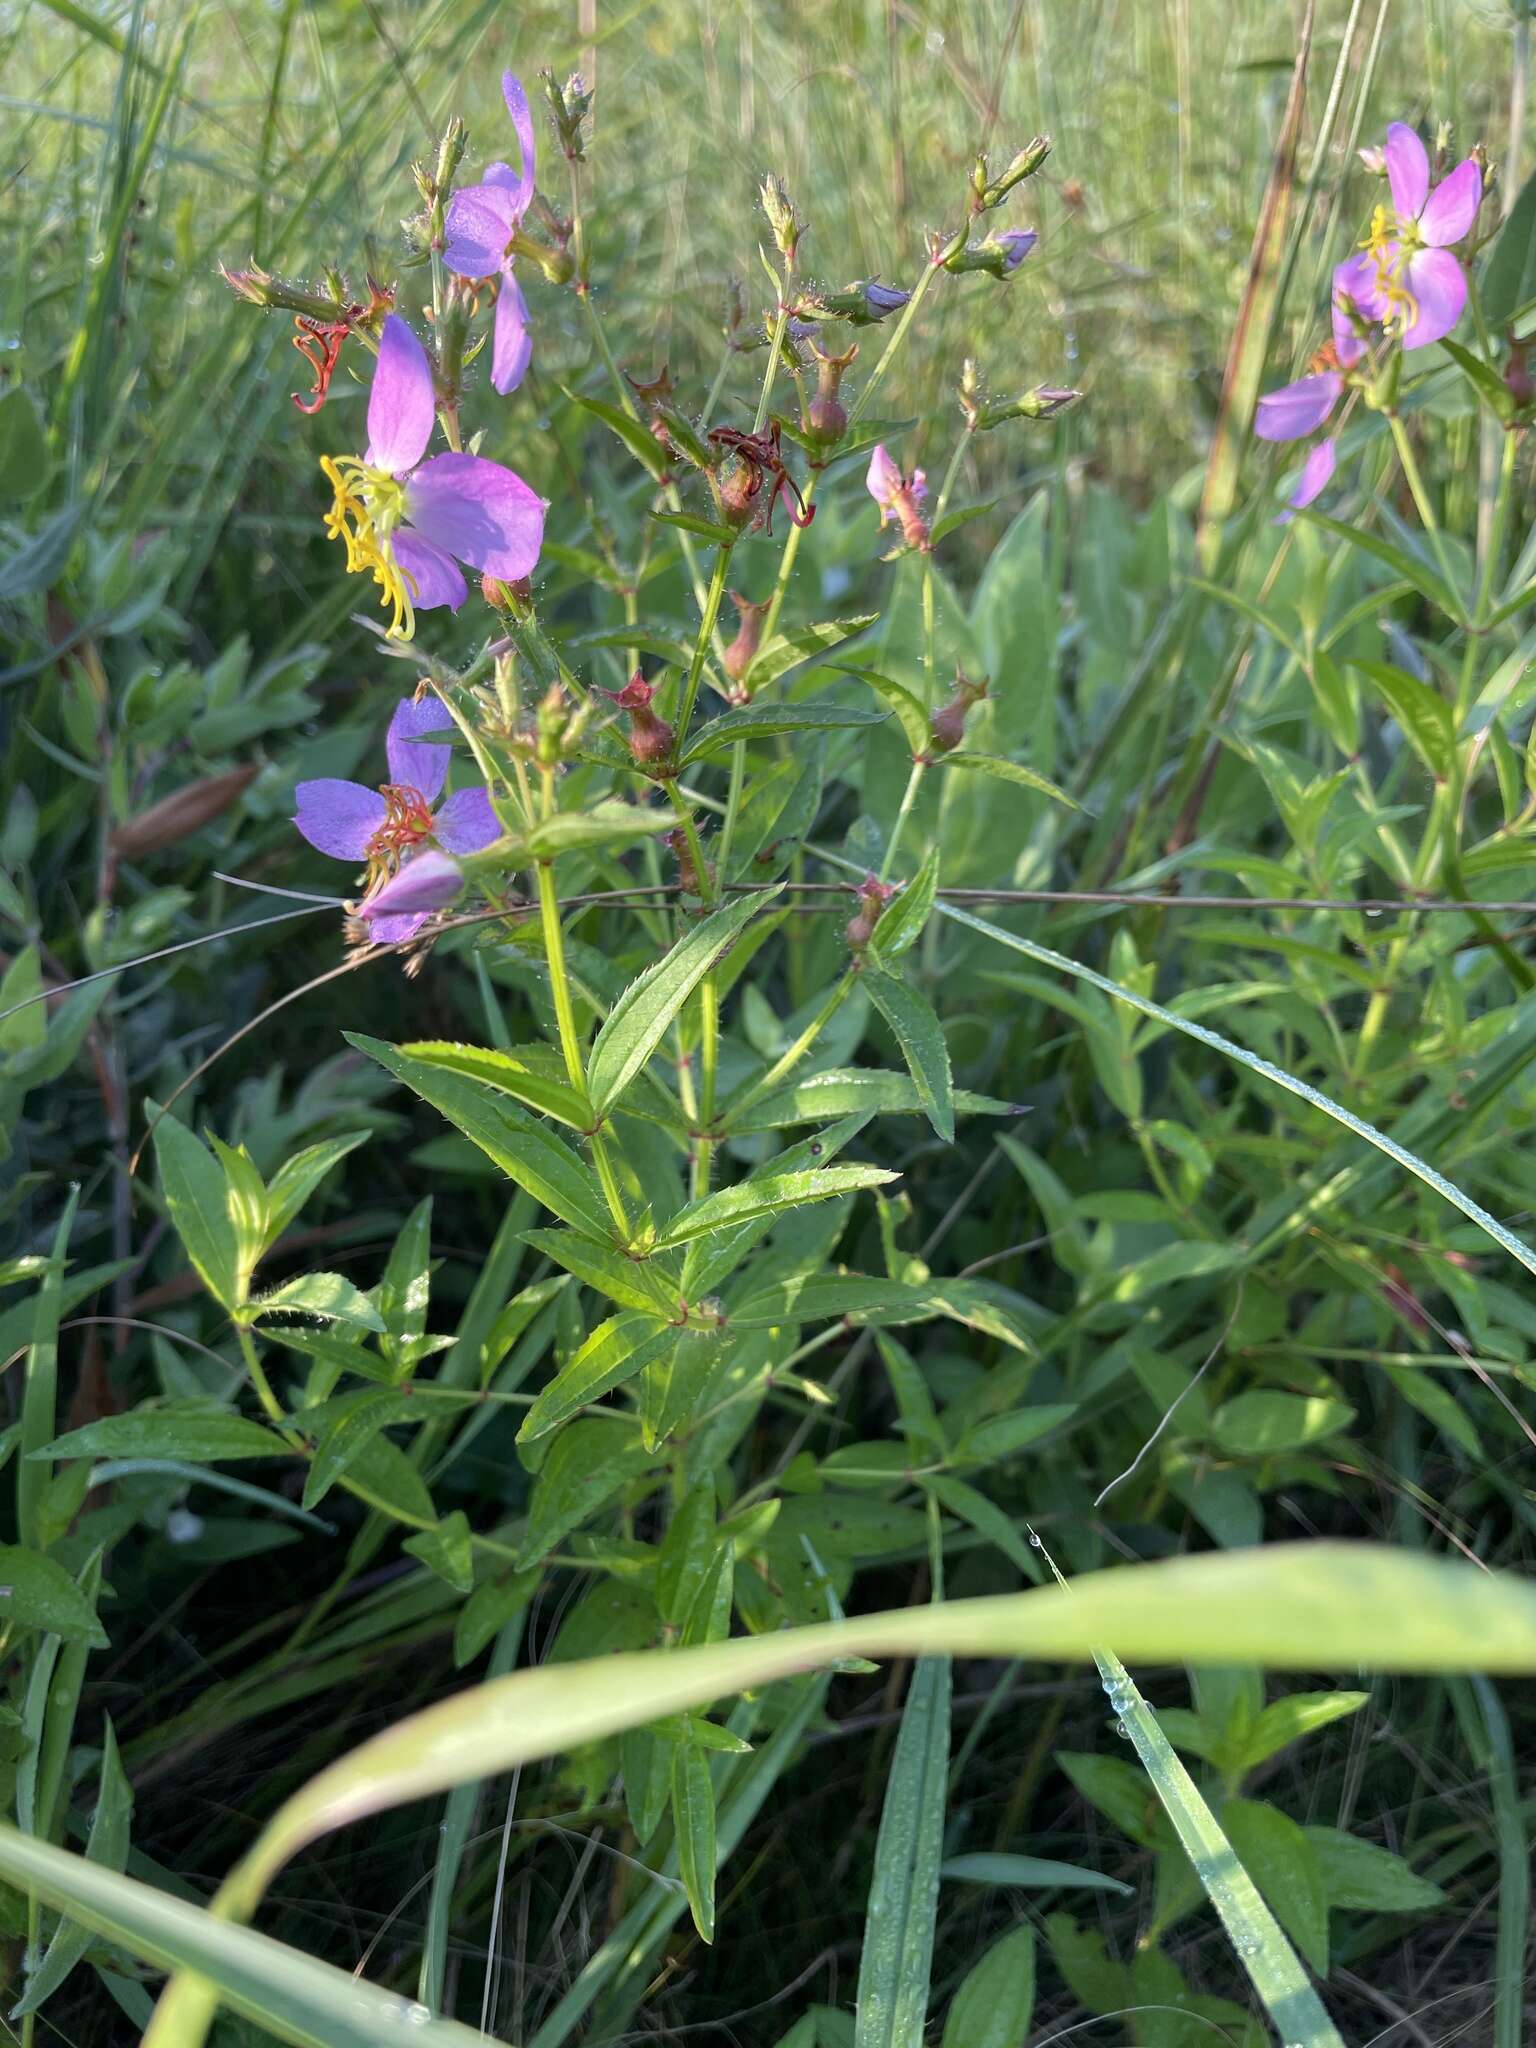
(899, 497)
(650, 737)
(429, 882)
(946, 728)
(450, 154)
(999, 255)
(826, 420)
(742, 652)
(1374, 158)
(260, 288)
(1024, 165)
(570, 105)
(1044, 402)
(873, 897)
(780, 211)
(1518, 381)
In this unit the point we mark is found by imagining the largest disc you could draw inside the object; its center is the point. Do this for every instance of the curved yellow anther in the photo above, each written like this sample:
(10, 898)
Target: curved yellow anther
(366, 509)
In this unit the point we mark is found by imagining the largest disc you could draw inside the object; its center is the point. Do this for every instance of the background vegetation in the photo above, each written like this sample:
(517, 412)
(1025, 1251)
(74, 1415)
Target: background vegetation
(1176, 1253)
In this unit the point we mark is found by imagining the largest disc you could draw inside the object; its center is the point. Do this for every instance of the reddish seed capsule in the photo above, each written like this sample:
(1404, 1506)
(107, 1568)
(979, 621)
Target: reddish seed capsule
(650, 737)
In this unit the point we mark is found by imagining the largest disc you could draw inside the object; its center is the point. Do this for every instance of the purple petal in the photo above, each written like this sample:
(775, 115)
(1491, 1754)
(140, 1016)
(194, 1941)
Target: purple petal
(882, 478)
(478, 511)
(479, 223)
(1354, 281)
(434, 576)
(517, 106)
(1439, 291)
(1407, 171)
(1315, 474)
(1296, 409)
(429, 882)
(394, 931)
(1016, 245)
(1452, 206)
(466, 822)
(418, 767)
(338, 817)
(401, 403)
(512, 344)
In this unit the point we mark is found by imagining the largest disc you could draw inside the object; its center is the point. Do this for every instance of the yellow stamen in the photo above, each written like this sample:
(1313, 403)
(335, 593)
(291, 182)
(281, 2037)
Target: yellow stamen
(367, 508)
(1392, 266)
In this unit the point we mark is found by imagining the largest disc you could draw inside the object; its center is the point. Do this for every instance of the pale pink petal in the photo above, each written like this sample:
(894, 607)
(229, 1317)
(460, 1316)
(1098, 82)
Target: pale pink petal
(1354, 285)
(401, 404)
(467, 822)
(522, 120)
(338, 817)
(1407, 170)
(479, 223)
(434, 576)
(1316, 472)
(1452, 206)
(882, 478)
(478, 511)
(512, 344)
(423, 768)
(393, 931)
(1439, 291)
(1297, 409)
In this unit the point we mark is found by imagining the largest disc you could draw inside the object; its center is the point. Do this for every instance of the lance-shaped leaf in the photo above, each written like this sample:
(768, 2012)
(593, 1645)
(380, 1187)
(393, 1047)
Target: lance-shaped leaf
(1010, 771)
(520, 1145)
(195, 1434)
(615, 1352)
(196, 1199)
(330, 1296)
(651, 1287)
(785, 649)
(900, 925)
(911, 714)
(37, 1593)
(638, 439)
(106, 1845)
(766, 721)
(509, 1075)
(635, 1025)
(921, 1037)
(766, 1195)
(609, 823)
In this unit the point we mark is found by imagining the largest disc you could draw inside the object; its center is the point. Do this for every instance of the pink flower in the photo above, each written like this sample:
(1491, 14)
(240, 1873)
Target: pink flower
(899, 497)
(1416, 287)
(410, 522)
(482, 221)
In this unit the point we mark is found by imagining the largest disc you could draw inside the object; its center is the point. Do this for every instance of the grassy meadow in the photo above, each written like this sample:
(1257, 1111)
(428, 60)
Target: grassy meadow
(1084, 1283)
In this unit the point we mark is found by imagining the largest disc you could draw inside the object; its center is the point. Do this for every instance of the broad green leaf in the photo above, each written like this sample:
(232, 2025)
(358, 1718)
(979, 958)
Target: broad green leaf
(297, 1178)
(1427, 721)
(1009, 771)
(848, 1091)
(196, 1435)
(281, 1989)
(706, 529)
(506, 1072)
(590, 1461)
(381, 1474)
(608, 822)
(349, 1425)
(330, 1296)
(1287, 1720)
(1359, 1876)
(961, 516)
(687, 1550)
(897, 1954)
(900, 925)
(1264, 1421)
(524, 1150)
(1283, 1864)
(196, 1199)
(447, 1551)
(107, 1845)
(650, 1286)
(39, 1400)
(1029, 1873)
(996, 1999)
(780, 654)
(1509, 277)
(920, 1035)
(985, 1517)
(765, 721)
(693, 1813)
(646, 1760)
(35, 1592)
(1424, 579)
(1485, 380)
(614, 1352)
(23, 451)
(637, 1022)
(765, 1195)
(637, 438)
(911, 715)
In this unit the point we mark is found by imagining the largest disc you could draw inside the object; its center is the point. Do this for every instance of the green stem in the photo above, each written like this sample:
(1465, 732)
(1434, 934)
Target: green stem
(559, 981)
(908, 798)
(1421, 499)
(788, 1061)
(701, 644)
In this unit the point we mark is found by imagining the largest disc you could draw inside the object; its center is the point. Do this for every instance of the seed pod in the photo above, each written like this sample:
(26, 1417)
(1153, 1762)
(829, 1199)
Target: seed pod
(179, 815)
(650, 737)
(742, 652)
(946, 728)
(873, 897)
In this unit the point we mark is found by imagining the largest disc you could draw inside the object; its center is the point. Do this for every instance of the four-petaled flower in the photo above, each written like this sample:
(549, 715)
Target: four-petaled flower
(405, 519)
(394, 829)
(482, 222)
(899, 497)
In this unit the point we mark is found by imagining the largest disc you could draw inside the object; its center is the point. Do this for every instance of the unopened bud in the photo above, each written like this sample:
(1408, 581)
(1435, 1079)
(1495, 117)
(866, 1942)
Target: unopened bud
(450, 154)
(1043, 403)
(569, 104)
(1518, 381)
(999, 255)
(742, 652)
(260, 288)
(1374, 158)
(873, 897)
(970, 390)
(650, 737)
(1024, 165)
(826, 419)
(946, 728)
(780, 212)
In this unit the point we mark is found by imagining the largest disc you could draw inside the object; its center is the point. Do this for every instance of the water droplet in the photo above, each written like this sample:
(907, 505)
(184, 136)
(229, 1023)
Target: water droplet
(1034, 1541)
(1122, 1731)
(933, 42)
